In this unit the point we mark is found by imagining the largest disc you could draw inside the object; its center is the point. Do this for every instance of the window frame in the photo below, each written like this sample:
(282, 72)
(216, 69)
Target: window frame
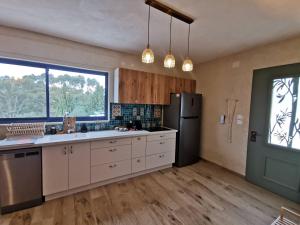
(277, 75)
(47, 67)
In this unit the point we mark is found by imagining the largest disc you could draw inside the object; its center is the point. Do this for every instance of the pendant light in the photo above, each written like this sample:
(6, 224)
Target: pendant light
(148, 56)
(187, 65)
(169, 61)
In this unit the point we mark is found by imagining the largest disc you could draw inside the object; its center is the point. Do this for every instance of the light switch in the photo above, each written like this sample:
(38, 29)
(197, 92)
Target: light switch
(222, 119)
(239, 119)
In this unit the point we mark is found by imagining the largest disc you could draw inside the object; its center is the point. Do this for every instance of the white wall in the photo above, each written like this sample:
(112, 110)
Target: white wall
(231, 77)
(20, 44)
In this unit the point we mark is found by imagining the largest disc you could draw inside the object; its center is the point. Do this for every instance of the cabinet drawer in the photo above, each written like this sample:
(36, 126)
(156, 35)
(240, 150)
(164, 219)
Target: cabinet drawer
(110, 143)
(161, 136)
(160, 159)
(138, 164)
(154, 147)
(110, 170)
(138, 146)
(110, 154)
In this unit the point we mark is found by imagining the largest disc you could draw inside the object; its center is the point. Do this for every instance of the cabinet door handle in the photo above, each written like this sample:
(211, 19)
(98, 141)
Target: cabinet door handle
(162, 136)
(161, 156)
(112, 142)
(161, 143)
(112, 150)
(138, 138)
(65, 150)
(138, 161)
(112, 166)
(71, 149)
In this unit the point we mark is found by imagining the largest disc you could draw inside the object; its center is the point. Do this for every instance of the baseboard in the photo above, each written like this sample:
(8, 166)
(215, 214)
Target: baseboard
(224, 168)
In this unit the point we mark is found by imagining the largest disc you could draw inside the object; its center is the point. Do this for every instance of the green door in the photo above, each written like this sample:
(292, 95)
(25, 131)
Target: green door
(273, 157)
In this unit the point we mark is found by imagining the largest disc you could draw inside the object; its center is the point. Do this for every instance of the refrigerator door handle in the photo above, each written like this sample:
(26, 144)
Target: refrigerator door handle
(189, 117)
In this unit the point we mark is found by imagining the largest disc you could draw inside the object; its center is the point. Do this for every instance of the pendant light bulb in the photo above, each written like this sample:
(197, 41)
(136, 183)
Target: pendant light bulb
(187, 65)
(148, 55)
(169, 61)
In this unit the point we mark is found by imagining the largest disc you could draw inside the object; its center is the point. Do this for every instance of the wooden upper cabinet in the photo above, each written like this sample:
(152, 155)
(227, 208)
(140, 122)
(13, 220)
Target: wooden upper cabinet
(137, 87)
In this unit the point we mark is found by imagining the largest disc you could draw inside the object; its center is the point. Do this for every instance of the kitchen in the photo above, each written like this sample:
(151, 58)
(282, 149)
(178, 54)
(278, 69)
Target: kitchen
(96, 95)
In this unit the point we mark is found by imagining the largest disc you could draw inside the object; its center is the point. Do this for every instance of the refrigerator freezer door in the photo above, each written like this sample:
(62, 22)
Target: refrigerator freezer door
(190, 105)
(172, 112)
(189, 142)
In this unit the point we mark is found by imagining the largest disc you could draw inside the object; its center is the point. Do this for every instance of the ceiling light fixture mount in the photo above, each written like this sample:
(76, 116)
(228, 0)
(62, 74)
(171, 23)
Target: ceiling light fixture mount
(168, 10)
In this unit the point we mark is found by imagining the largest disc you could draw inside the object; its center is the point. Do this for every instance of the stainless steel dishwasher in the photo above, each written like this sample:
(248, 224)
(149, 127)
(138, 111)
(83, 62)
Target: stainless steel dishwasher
(20, 179)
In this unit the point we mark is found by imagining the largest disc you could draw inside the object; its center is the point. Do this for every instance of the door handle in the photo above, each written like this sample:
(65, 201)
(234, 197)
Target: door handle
(253, 135)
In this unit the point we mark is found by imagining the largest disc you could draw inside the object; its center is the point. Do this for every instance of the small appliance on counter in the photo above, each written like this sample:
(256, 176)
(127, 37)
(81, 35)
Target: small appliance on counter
(184, 115)
(137, 124)
(83, 128)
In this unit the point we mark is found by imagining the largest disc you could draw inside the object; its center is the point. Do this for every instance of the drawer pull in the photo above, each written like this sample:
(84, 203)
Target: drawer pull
(138, 161)
(112, 150)
(138, 138)
(113, 141)
(161, 143)
(112, 166)
(161, 156)
(162, 136)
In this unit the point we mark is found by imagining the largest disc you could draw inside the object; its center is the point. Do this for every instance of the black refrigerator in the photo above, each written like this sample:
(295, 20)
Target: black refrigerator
(184, 115)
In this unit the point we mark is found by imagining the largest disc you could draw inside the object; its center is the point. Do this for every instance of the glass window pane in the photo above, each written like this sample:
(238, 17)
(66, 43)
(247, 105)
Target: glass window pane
(78, 94)
(284, 124)
(22, 91)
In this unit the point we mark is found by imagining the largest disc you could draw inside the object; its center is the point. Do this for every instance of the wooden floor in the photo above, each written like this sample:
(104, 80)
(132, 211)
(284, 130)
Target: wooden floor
(199, 194)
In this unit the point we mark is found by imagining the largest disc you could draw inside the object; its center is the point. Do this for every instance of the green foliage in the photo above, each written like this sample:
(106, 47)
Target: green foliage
(22, 97)
(26, 97)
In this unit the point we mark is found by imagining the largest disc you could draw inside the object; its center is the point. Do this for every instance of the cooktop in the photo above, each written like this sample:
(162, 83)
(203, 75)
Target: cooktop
(153, 129)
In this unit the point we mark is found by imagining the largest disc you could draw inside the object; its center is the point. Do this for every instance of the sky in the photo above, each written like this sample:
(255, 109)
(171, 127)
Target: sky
(17, 72)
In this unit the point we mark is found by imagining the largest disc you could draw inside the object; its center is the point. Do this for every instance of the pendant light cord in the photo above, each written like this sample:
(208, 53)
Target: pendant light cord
(170, 44)
(148, 27)
(188, 53)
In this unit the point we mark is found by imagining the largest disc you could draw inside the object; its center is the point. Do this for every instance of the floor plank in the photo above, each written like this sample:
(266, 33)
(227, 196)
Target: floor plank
(199, 194)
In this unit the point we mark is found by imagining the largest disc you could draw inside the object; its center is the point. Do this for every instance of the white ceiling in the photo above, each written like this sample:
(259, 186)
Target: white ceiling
(221, 27)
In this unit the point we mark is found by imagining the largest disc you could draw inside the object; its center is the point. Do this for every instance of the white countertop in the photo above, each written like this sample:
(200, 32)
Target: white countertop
(71, 138)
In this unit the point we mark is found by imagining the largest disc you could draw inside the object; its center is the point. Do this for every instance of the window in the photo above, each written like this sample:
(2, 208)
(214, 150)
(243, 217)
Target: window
(42, 92)
(284, 123)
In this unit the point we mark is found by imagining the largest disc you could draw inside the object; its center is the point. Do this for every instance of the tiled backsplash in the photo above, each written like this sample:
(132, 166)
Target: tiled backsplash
(149, 115)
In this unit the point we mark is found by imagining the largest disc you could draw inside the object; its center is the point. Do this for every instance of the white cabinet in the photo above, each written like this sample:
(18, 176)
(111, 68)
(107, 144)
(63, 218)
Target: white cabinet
(65, 167)
(138, 146)
(55, 169)
(138, 164)
(110, 143)
(73, 166)
(160, 159)
(110, 170)
(160, 150)
(79, 165)
(110, 154)
(159, 146)
(161, 136)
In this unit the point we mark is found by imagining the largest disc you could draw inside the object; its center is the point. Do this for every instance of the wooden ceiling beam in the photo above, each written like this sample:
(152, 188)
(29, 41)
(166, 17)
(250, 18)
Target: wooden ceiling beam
(168, 10)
